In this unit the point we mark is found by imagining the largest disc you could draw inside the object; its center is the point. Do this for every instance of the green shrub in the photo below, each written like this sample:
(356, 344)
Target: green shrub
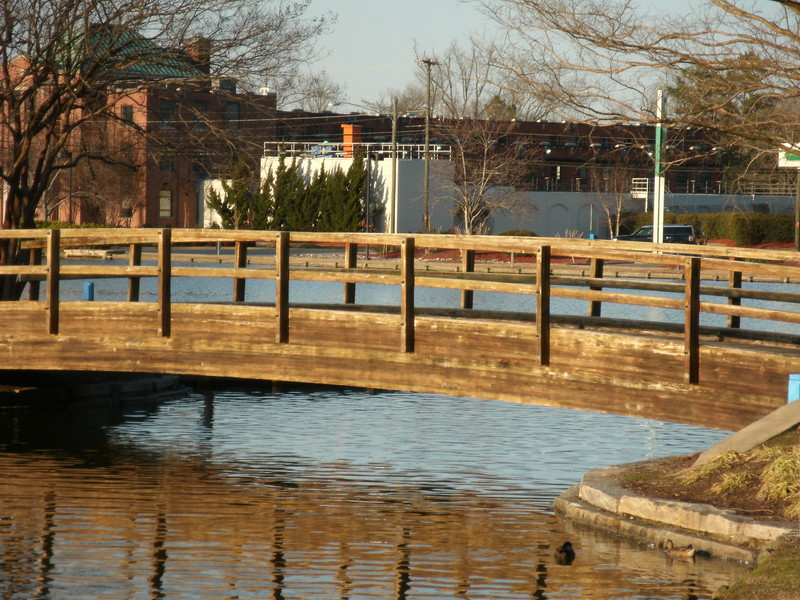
(519, 233)
(743, 228)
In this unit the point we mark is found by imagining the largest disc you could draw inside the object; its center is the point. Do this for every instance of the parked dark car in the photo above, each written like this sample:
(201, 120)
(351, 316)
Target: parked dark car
(673, 234)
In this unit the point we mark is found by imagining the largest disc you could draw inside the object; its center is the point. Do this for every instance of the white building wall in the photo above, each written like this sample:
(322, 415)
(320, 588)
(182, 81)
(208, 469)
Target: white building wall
(549, 214)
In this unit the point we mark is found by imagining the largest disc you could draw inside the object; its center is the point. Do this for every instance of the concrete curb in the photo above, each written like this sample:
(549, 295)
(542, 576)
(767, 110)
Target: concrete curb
(600, 502)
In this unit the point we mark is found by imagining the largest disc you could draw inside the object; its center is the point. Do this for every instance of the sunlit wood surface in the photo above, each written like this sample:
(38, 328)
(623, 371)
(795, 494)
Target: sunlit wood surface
(722, 377)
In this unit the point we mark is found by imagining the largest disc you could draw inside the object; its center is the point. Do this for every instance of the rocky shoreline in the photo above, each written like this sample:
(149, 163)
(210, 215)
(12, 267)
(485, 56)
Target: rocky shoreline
(599, 501)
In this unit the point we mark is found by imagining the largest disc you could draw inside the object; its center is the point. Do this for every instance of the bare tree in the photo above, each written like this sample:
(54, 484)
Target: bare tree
(66, 65)
(476, 117)
(487, 170)
(612, 184)
(603, 60)
(314, 92)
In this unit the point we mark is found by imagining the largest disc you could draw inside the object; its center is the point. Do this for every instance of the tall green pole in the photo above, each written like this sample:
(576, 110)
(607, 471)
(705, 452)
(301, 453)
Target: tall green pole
(658, 180)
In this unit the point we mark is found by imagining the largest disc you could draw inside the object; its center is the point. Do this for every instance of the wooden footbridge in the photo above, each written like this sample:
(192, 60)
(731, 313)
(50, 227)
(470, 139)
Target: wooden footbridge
(678, 369)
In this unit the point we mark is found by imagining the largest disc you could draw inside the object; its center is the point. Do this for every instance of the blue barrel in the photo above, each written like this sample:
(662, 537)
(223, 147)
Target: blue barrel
(88, 290)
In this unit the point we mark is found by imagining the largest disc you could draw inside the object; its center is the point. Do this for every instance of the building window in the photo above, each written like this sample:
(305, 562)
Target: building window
(232, 111)
(166, 163)
(126, 208)
(165, 204)
(126, 113)
(165, 109)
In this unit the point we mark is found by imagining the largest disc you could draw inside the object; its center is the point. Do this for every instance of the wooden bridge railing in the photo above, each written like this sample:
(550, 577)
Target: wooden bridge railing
(597, 283)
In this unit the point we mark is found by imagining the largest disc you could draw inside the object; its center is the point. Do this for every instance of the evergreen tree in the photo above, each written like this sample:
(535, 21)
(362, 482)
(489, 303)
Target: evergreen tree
(341, 207)
(287, 190)
(352, 213)
(331, 201)
(312, 199)
(235, 204)
(264, 206)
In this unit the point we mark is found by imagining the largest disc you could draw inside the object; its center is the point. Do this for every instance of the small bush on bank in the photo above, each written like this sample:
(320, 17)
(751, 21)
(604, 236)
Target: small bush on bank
(520, 233)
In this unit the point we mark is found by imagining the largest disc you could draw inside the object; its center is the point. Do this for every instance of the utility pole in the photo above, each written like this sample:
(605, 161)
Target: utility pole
(393, 195)
(426, 217)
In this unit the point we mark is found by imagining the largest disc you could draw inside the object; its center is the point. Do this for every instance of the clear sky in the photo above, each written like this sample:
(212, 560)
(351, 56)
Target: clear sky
(372, 44)
(371, 47)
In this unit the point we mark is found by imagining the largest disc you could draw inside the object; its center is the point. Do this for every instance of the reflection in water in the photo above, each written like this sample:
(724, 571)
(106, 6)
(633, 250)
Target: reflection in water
(322, 494)
(159, 558)
(48, 536)
(278, 558)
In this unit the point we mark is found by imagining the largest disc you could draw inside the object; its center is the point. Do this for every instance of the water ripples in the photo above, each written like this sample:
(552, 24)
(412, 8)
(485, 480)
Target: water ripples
(322, 493)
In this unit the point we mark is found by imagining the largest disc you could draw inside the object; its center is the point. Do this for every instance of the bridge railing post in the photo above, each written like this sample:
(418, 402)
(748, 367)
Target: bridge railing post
(734, 282)
(34, 286)
(282, 287)
(468, 266)
(407, 249)
(134, 283)
(691, 335)
(596, 272)
(350, 262)
(165, 282)
(53, 268)
(543, 305)
(239, 262)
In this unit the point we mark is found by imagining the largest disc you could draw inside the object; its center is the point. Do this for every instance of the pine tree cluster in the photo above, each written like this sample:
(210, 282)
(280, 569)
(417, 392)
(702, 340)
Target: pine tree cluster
(288, 201)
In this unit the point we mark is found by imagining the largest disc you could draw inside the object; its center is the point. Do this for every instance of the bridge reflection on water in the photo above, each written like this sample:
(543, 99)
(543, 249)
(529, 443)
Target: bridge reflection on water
(318, 493)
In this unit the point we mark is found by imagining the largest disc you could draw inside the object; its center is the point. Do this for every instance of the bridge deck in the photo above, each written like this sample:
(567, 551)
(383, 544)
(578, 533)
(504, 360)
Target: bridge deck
(723, 378)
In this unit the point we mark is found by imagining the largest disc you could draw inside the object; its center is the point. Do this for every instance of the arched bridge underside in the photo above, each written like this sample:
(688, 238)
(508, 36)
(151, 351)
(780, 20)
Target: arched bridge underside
(723, 376)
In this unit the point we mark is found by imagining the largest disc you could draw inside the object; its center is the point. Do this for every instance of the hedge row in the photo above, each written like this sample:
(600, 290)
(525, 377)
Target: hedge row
(744, 229)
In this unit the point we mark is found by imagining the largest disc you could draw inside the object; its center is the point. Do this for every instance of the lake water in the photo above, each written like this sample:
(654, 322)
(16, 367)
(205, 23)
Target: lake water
(323, 493)
(317, 493)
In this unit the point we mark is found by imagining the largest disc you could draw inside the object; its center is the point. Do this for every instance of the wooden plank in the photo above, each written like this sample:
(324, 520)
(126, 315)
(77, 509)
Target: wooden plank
(240, 263)
(164, 282)
(468, 266)
(223, 273)
(783, 262)
(361, 276)
(108, 236)
(351, 262)
(27, 272)
(691, 338)
(632, 299)
(134, 261)
(781, 270)
(106, 271)
(407, 278)
(282, 287)
(543, 305)
(751, 312)
(53, 257)
(596, 272)
(734, 281)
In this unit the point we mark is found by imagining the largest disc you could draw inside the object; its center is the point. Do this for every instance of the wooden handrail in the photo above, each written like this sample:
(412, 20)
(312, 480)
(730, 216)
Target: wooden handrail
(732, 267)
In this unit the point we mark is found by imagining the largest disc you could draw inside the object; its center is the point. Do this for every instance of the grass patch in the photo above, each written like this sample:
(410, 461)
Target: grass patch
(731, 482)
(718, 463)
